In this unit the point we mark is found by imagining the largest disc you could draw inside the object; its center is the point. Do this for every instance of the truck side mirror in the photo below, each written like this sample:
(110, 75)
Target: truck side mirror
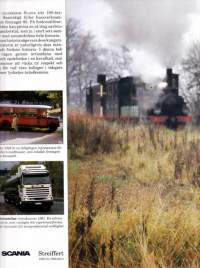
(52, 181)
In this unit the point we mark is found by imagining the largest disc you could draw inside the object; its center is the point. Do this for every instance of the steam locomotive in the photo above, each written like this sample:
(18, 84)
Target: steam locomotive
(170, 108)
(128, 98)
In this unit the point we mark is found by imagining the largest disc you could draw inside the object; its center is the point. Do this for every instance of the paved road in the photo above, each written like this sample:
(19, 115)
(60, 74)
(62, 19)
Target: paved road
(36, 136)
(10, 209)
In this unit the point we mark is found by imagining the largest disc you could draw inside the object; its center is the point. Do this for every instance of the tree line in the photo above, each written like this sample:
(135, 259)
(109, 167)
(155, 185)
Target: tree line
(191, 79)
(53, 98)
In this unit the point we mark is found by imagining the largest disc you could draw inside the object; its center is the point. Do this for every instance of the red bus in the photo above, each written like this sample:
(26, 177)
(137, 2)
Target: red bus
(28, 116)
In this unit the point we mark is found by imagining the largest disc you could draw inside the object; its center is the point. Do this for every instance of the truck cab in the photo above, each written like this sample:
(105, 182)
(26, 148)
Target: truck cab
(31, 186)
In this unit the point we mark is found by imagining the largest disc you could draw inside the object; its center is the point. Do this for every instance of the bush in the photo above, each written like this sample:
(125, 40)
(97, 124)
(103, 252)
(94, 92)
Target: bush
(87, 135)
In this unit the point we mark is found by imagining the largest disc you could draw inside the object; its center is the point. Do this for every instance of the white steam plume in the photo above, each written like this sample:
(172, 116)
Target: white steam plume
(157, 26)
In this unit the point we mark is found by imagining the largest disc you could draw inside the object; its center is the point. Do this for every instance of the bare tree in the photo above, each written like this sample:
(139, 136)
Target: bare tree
(83, 61)
(191, 72)
(86, 58)
(117, 62)
(71, 33)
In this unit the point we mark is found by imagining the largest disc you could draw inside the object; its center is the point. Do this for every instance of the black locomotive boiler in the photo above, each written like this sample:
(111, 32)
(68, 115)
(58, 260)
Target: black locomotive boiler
(128, 98)
(170, 109)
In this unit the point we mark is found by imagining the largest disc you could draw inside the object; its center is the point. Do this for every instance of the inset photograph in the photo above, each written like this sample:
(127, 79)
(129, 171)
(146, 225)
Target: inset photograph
(31, 188)
(31, 117)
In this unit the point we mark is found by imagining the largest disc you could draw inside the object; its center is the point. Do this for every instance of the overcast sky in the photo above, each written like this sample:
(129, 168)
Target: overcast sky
(158, 32)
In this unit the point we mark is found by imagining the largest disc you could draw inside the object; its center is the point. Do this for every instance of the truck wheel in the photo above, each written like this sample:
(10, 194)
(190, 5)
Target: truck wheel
(52, 128)
(6, 200)
(19, 204)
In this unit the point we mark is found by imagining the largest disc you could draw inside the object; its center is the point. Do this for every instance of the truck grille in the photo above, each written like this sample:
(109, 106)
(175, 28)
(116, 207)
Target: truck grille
(38, 193)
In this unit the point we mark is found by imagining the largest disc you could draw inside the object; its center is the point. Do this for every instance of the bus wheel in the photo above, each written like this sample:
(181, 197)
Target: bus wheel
(52, 128)
(6, 125)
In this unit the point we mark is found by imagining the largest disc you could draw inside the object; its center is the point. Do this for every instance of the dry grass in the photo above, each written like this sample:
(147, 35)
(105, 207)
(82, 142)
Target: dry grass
(139, 207)
(87, 136)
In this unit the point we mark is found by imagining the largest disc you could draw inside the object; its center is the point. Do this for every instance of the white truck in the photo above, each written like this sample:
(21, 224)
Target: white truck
(31, 185)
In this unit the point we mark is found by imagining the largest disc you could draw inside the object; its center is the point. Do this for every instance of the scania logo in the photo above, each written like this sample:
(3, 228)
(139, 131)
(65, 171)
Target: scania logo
(15, 253)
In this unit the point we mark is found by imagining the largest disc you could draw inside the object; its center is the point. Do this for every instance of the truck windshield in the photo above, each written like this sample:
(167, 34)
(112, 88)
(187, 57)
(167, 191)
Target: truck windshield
(29, 180)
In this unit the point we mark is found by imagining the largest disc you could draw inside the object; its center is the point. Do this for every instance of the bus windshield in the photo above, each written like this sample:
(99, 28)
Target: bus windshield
(30, 180)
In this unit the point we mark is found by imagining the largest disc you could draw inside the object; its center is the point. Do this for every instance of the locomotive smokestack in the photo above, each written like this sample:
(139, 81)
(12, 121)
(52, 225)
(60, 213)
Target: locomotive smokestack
(169, 77)
(172, 81)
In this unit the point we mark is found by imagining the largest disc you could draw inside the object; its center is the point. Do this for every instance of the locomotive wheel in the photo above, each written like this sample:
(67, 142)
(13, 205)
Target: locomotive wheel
(172, 123)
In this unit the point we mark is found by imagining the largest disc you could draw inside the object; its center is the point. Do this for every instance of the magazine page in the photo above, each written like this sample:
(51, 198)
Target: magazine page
(133, 133)
(33, 150)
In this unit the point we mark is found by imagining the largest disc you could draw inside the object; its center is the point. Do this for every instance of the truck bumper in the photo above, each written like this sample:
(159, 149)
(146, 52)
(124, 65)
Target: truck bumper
(37, 203)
